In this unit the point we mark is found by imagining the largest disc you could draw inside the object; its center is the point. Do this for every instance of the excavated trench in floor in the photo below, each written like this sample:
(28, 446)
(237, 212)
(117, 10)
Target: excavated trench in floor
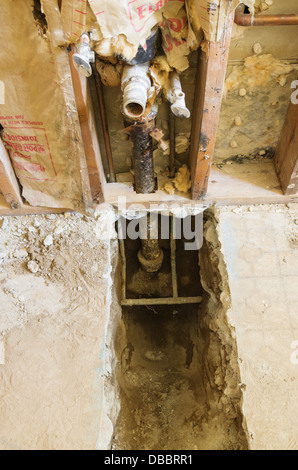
(177, 372)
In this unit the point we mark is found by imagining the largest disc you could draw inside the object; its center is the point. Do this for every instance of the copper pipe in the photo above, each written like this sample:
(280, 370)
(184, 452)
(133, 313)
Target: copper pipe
(105, 126)
(266, 20)
(172, 144)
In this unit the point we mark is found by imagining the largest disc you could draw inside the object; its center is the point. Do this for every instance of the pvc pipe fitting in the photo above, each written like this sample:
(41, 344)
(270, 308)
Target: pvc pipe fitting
(136, 84)
(177, 97)
(84, 56)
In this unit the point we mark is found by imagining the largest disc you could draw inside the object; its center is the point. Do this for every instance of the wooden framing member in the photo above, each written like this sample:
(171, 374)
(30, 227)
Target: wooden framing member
(212, 66)
(89, 134)
(286, 157)
(9, 185)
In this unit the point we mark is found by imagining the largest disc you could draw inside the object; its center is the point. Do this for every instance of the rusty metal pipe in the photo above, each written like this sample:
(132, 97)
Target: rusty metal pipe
(143, 156)
(266, 20)
(150, 256)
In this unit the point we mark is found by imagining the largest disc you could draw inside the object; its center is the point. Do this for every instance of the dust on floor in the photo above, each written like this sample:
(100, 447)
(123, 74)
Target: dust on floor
(55, 287)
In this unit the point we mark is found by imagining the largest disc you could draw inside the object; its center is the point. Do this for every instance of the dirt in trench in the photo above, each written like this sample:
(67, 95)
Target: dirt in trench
(173, 371)
(165, 400)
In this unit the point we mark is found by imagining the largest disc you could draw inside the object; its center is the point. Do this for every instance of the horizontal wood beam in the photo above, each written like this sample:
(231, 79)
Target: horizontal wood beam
(212, 66)
(286, 157)
(9, 185)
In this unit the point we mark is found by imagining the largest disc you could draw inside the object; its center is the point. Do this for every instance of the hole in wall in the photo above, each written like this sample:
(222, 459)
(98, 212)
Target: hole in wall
(177, 364)
(40, 18)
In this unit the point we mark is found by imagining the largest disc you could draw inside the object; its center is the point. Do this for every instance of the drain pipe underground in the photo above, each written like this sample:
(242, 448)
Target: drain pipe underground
(151, 255)
(136, 86)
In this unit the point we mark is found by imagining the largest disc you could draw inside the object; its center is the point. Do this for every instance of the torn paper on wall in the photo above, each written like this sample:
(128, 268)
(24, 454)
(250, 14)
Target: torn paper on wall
(125, 25)
(39, 117)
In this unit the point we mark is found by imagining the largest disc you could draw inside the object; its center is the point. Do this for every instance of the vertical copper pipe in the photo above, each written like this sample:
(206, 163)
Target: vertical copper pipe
(105, 126)
(172, 144)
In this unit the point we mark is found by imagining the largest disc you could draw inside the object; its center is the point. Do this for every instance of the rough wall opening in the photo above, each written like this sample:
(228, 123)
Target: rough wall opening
(40, 18)
(177, 365)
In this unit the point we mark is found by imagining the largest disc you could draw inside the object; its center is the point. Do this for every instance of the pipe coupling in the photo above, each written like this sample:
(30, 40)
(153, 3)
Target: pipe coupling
(136, 84)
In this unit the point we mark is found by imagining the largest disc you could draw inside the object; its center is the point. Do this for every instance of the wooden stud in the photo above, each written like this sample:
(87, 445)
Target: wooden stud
(286, 157)
(212, 66)
(9, 185)
(89, 134)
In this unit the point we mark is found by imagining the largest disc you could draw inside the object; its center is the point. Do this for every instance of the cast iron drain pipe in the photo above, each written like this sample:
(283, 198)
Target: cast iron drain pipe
(143, 156)
(136, 86)
(266, 20)
(151, 255)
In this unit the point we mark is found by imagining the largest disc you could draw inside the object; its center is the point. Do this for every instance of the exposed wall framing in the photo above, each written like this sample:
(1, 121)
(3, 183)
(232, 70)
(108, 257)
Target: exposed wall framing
(89, 134)
(212, 66)
(243, 184)
(286, 158)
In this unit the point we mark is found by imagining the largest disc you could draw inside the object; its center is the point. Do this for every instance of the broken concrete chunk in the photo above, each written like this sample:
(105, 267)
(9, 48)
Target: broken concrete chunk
(33, 266)
(37, 223)
(58, 230)
(48, 241)
(22, 253)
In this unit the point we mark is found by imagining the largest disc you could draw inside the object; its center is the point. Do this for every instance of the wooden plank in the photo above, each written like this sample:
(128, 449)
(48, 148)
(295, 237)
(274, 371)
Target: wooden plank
(286, 157)
(246, 184)
(26, 209)
(229, 185)
(212, 66)
(89, 134)
(236, 184)
(9, 185)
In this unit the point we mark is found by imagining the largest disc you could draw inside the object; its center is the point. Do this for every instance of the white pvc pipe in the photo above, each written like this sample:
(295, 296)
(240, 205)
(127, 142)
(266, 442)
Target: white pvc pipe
(136, 83)
(177, 97)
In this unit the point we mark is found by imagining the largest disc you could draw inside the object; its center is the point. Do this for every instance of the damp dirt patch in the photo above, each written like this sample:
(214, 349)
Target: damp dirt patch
(178, 376)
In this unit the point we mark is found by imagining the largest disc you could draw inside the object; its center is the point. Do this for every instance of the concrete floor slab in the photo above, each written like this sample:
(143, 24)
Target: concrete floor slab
(261, 252)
